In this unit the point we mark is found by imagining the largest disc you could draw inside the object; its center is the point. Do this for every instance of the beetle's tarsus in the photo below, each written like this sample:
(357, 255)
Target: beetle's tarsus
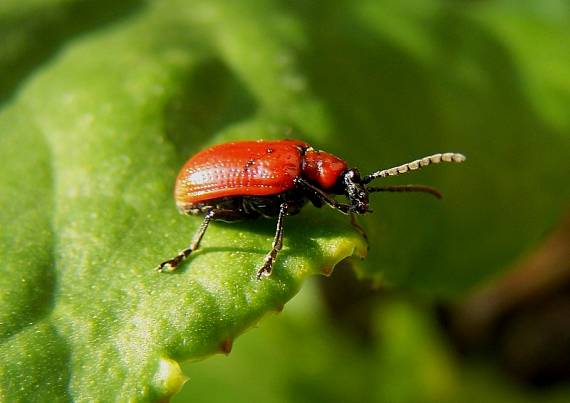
(266, 269)
(170, 265)
(165, 268)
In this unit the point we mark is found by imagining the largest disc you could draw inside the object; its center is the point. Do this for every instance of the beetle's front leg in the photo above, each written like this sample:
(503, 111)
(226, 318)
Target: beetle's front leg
(359, 228)
(325, 198)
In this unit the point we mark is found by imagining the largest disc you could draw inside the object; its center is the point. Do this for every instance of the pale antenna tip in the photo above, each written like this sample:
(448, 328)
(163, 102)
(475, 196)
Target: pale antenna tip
(458, 157)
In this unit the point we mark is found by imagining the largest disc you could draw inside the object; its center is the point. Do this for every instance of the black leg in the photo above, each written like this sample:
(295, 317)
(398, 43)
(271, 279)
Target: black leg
(343, 208)
(358, 227)
(172, 264)
(265, 270)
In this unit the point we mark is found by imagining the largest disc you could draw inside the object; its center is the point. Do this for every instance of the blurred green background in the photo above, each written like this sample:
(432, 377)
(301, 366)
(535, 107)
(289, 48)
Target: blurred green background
(466, 300)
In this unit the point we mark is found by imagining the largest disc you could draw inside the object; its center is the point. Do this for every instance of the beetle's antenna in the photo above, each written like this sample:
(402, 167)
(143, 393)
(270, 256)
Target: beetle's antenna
(406, 188)
(414, 165)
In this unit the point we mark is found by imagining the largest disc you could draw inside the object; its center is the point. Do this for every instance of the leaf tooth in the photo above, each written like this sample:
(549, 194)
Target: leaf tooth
(169, 378)
(327, 270)
(226, 345)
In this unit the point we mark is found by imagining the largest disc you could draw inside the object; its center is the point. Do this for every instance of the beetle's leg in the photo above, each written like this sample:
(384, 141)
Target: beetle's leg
(265, 270)
(358, 227)
(172, 264)
(343, 208)
(213, 214)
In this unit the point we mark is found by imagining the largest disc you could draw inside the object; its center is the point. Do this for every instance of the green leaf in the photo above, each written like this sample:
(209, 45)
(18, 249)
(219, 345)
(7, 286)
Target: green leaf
(33, 30)
(88, 212)
(96, 122)
(405, 359)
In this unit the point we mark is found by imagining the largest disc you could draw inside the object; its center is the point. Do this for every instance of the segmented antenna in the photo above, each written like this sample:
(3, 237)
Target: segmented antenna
(406, 188)
(414, 165)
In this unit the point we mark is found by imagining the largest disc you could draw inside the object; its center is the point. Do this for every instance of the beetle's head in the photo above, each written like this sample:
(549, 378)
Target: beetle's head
(353, 188)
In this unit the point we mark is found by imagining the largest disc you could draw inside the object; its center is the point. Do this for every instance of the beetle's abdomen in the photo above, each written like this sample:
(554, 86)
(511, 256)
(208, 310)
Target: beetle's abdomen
(243, 168)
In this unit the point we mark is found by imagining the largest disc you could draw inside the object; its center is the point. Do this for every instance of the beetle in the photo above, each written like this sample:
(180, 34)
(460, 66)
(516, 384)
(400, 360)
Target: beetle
(274, 179)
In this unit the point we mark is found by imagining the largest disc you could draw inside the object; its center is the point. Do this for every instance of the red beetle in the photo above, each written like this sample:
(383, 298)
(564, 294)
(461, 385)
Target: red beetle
(251, 179)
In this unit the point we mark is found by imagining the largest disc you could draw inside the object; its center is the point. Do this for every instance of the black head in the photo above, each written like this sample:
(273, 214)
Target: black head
(351, 185)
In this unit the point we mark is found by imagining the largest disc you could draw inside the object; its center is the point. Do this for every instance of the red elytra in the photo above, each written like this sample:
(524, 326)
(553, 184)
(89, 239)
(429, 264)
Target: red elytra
(253, 168)
(252, 179)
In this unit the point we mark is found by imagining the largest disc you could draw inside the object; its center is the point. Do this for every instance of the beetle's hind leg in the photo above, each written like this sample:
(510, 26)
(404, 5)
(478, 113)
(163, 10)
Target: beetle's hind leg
(213, 214)
(265, 270)
(171, 264)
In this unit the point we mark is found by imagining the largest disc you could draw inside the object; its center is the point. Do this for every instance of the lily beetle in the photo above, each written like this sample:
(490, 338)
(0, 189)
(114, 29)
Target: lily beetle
(251, 179)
